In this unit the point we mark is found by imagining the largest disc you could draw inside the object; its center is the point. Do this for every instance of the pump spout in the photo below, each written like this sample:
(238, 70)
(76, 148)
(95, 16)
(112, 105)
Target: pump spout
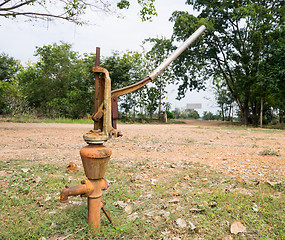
(84, 189)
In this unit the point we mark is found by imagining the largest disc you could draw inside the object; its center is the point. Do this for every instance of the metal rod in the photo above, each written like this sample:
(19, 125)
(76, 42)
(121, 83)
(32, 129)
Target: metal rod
(177, 52)
(96, 96)
(161, 67)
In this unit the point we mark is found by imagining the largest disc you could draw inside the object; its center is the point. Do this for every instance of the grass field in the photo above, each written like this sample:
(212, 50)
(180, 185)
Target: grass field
(186, 201)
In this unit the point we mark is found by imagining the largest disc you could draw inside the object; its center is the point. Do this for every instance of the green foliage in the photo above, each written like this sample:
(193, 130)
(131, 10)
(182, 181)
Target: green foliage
(223, 98)
(152, 100)
(160, 50)
(57, 83)
(190, 114)
(241, 40)
(210, 116)
(9, 88)
(70, 10)
(185, 113)
(170, 115)
(269, 152)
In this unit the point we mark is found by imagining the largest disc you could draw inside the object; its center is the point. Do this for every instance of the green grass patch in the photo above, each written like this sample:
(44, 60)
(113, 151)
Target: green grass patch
(29, 119)
(159, 194)
(269, 152)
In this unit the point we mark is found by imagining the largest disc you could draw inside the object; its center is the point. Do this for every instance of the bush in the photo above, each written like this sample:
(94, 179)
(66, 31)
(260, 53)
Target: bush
(170, 115)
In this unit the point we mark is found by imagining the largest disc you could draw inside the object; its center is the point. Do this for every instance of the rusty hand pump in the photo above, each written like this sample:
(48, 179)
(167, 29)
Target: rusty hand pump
(95, 156)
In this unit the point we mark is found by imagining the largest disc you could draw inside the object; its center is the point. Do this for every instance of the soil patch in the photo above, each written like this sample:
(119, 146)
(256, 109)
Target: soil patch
(234, 151)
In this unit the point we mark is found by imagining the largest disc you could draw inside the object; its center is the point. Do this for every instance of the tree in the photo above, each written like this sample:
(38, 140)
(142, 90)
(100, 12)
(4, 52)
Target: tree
(209, 116)
(239, 34)
(272, 74)
(70, 10)
(161, 49)
(223, 97)
(58, 83)
(190, 113)
(126, 69)
(9, 88)
(152, 100)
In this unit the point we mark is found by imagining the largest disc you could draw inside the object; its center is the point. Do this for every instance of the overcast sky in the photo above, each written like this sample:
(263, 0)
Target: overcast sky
(19, 39)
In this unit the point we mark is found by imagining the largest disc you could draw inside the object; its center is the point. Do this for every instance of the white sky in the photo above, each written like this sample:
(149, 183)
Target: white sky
(19, 39)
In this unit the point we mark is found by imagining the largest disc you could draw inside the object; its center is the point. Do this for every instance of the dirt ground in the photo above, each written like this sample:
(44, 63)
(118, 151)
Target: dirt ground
(230, 150)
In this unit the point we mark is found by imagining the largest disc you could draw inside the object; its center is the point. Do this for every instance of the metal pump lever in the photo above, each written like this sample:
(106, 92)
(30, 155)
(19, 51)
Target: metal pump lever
(106, 101)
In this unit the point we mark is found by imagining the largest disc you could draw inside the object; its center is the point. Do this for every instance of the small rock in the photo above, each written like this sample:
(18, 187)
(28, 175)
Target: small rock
(25, 170)
(163, 213)
(181, 223)
(255, 207)
(212, 204)
(157, 218)
(273, 183)
(196, 210)
(175, 193)
(192, 226)
(76, 202)
(186, 177)
(149, 195)
(128, 209)
(174, 200)
(47, 198)
(37, 180)
(133, 216)
(153, 182)
(120, 204)
(237, 227)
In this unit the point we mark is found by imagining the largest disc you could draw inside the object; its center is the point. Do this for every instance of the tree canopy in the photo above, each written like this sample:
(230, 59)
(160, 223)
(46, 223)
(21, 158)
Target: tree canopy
(241, 40)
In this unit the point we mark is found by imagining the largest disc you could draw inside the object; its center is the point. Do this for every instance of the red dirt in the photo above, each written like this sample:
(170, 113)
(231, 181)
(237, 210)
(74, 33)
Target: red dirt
(233, 151)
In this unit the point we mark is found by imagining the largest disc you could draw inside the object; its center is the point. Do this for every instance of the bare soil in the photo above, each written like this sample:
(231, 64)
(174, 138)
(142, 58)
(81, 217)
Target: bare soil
(231, 150)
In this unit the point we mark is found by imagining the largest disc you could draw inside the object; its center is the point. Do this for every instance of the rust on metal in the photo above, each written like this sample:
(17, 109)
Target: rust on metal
(106, 213)
(95, 156)
(97, 89)
(102, 113)
(115, 111)
(95, 159)
(131, 88)
(92, 189)
(83, 189)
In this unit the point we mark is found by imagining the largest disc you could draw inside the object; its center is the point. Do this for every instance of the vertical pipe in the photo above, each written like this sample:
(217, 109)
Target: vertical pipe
(96, 97)
(94, 209)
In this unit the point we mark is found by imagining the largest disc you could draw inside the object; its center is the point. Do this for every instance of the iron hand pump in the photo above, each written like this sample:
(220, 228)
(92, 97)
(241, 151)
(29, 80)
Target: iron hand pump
(95, 156)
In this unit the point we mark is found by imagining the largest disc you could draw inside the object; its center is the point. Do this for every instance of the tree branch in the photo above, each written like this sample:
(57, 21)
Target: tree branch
(36, 15)
(2, 4)
(16, 6)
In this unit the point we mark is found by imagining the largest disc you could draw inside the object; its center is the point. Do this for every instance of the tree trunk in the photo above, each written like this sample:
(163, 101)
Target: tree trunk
(232, 107)
(261, 111)
(245, 114)
(159, 105)
(230, 111)
(134, 113)
(223, 113)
